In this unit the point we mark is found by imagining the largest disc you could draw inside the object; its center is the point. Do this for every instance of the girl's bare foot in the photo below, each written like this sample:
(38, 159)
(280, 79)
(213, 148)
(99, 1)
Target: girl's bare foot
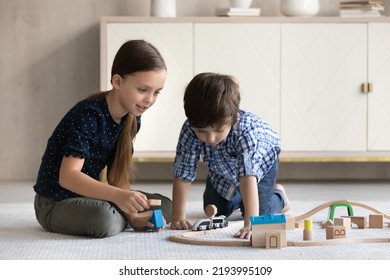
(140, 221)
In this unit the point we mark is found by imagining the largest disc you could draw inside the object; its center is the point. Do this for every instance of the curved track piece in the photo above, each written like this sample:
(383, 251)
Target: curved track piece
(318, 209)
(189, 237)
(362, 205)
(330, 203)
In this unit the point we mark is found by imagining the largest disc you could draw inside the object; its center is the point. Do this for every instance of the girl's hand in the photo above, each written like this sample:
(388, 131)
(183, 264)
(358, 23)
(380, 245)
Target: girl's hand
(141, 221)
(244, 233)
(181, 224)
(131, 201)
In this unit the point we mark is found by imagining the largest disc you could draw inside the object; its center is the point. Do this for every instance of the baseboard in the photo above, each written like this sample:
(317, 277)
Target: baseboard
(288, 171)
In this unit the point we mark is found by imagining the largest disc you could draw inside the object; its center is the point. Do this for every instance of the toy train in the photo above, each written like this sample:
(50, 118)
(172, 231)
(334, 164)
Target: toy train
(210, 223)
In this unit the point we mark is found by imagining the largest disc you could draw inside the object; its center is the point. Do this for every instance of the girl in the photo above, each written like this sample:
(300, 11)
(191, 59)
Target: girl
(98, 132)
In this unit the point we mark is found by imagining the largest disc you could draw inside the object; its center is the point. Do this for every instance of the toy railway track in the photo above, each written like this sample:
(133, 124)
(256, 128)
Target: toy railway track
(330, 203)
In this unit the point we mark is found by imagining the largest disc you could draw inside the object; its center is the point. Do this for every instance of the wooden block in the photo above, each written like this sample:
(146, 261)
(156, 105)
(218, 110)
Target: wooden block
(327, 224)
(298, 225)
(375, 221)
(210, 210)
(344, 221)
(290, 223)
(157, 219)
(154, 202)
(360, 221)
(259, 234)
(308, 230)
(335, 232)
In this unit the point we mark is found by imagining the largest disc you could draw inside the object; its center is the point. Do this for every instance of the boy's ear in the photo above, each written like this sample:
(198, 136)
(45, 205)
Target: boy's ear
(116, 81)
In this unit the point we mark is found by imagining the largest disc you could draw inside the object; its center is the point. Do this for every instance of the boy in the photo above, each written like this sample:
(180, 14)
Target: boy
(240, 150)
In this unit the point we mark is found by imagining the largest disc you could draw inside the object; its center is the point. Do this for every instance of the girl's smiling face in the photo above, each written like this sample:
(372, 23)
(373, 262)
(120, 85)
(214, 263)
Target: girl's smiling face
(138, 92)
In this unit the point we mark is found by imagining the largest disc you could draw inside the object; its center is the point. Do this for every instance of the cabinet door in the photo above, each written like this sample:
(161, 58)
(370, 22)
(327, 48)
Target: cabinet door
(160, 124)
(379, 98)
(323, 67)
(251, 53)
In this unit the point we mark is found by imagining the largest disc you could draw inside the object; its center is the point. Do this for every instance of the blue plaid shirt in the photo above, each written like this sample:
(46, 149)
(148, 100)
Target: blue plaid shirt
(250, 149)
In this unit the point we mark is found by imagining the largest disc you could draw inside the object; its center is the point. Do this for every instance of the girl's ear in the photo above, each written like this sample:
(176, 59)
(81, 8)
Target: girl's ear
(116, 81)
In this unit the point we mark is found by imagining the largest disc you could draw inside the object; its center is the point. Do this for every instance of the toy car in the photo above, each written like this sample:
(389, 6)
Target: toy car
(209, 223)
(219, 222)
(203, 224)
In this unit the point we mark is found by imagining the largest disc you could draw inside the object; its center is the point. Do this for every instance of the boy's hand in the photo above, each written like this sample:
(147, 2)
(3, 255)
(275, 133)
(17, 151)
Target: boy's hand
(244, 233)
(181, 224)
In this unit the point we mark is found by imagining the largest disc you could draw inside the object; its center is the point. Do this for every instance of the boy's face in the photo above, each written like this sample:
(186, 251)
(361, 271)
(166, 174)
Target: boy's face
(212, 135)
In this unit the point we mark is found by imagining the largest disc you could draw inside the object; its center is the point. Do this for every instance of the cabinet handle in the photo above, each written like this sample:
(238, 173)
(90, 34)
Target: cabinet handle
(370, 87)
(365, 87)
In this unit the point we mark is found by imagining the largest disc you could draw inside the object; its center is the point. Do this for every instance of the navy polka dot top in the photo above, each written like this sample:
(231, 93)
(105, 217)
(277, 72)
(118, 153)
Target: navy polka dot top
(87, 131)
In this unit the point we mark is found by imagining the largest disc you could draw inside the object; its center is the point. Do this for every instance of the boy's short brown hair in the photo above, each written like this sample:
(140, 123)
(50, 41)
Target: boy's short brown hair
(212, 99)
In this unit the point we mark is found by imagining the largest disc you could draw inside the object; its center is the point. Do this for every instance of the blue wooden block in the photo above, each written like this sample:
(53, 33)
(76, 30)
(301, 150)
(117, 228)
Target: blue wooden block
(157, 219)
(268, 219)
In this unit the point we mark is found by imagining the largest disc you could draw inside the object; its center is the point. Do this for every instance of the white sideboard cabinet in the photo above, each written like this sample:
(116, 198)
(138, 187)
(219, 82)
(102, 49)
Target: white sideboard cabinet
(322, 68)
(322, 83)
(379, 77)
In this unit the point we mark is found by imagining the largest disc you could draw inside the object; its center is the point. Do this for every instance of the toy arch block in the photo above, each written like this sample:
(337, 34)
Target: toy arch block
(337, 204)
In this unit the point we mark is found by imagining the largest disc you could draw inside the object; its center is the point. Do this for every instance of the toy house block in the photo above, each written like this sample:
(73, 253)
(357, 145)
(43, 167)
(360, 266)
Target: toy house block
(327, 224)
(154, 202)
(345, 221)
(261, 225)
(157, 219)
(290, 223)
(335, 232)
(360, 221)
(259, 234)
(273, 240)
(375, 221)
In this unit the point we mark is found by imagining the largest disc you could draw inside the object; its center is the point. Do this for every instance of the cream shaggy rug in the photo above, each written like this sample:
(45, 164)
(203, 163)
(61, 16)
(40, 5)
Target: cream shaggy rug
(22, 238)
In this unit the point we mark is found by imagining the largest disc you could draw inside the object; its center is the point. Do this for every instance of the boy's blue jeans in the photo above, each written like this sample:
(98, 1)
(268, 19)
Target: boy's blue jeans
(271, 200)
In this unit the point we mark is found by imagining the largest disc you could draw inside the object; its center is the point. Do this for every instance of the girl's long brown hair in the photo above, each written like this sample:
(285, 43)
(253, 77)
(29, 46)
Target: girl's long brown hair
(133, 56)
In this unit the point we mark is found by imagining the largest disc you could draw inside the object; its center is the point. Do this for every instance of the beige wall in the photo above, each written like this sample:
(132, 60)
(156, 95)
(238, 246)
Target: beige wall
(49, 59)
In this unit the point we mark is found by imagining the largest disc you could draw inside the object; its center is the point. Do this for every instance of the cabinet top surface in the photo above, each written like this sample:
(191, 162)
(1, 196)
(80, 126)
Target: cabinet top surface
(128, 19)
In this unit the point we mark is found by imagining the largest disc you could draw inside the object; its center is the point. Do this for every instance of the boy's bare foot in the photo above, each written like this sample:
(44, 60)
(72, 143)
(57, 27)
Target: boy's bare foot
(288, 204)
